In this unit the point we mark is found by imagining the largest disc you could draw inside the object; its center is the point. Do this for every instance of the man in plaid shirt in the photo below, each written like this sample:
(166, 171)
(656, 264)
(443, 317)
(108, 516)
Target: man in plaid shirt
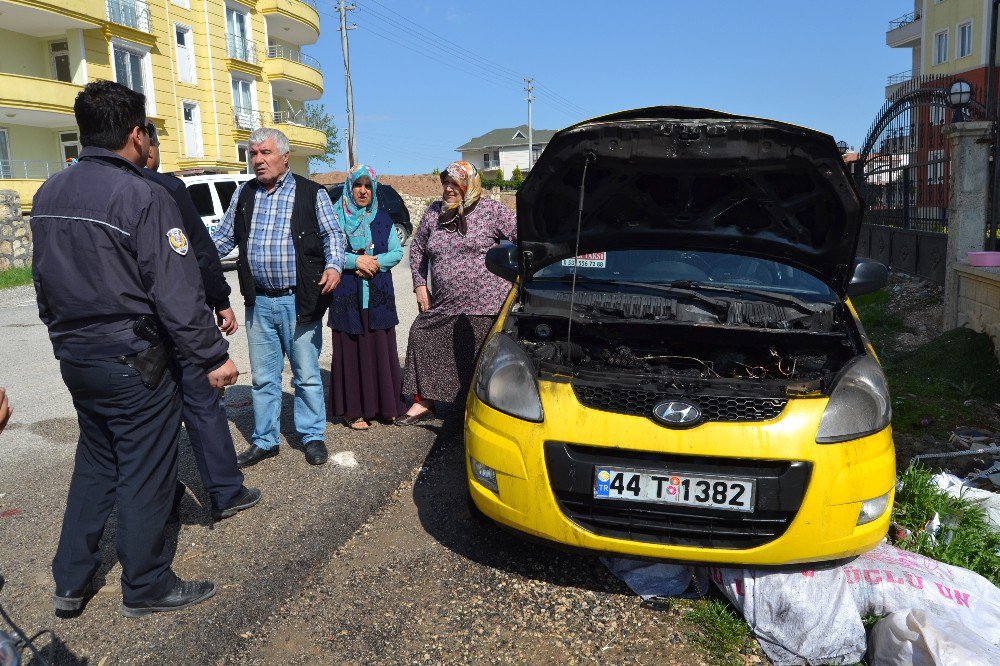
(291, 256)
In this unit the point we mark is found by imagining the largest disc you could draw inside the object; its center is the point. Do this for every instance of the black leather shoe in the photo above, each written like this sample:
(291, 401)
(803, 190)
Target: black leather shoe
(72, 600)
(175, 508)
(315, 452)
(405, 420)
(246, 499)
(185, 593)
(254, 455)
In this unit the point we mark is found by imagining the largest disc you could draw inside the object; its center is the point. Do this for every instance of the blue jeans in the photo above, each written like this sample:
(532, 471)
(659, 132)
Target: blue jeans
(273, 333)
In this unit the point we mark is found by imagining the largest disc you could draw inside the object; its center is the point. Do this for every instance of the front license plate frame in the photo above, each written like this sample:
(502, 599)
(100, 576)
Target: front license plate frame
(668, 488)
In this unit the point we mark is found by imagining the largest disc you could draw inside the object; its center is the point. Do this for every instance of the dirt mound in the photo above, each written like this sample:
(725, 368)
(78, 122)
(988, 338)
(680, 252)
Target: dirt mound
(417, 185)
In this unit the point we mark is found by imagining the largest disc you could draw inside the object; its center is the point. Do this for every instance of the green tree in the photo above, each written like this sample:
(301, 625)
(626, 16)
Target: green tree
(516, 178)
(436, 172)
(317, 117)
(498, 179)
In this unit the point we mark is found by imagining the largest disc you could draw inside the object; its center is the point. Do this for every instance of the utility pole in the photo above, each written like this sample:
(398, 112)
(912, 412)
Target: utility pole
(343, 8)
(346, 155)
(531, 148)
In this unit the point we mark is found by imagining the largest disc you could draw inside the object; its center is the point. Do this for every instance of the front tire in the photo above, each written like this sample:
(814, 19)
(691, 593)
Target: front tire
(401, 233)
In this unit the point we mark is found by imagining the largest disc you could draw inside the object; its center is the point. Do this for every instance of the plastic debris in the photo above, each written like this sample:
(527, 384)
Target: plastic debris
(988, 501)
(918, 637)
(344, 459)
(652, 580)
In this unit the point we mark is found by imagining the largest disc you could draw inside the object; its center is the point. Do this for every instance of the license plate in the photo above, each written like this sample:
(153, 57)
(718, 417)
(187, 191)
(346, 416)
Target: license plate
(664, 487)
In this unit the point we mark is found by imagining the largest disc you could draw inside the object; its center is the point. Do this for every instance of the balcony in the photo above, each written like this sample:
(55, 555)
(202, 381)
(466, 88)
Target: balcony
(896, 81)
(130, 13)
(294, 21)
(293, 74)
(304, 137)
(41, 18)
(241, 49)
(28, 100)
(25, 177)
(905, 31)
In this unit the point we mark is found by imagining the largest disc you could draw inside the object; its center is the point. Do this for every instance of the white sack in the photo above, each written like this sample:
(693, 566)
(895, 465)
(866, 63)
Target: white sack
(984, 499)
(906, 638)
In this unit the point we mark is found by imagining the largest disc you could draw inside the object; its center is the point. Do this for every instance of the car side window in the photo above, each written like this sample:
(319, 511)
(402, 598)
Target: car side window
(225, 189)
(202, 197)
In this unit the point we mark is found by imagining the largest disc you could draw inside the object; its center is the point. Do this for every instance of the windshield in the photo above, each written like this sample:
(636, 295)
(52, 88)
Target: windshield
(709, 268)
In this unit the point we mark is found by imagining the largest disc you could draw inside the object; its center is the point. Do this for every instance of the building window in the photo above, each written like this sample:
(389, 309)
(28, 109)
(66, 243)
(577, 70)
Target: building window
(69, 144)
(132, 69)
(938, 114)
(940, 47)
(243, 155)
(184, 4)
(964, 45)
(486, 160)
(192, 130)
(59, 53)
(133, 13)
(244, 105)
(185, 54)
(238, 35)
(935, 167)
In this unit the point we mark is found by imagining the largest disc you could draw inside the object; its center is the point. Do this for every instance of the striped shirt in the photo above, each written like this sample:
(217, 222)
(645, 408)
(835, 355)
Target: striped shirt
(270, 249)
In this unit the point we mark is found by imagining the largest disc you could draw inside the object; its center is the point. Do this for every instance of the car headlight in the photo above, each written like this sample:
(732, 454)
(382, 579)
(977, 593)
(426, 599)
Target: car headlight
(505, 379)
(872, 509)
(859, 404)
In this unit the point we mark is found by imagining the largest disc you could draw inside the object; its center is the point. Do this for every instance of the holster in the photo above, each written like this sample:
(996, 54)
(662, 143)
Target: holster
(151, 362)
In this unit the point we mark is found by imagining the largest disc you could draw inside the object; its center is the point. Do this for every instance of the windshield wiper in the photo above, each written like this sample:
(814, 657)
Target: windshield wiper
(811, 308)
(679, 288)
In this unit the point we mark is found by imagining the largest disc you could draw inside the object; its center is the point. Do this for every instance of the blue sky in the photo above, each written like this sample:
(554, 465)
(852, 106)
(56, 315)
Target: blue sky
(429, 76)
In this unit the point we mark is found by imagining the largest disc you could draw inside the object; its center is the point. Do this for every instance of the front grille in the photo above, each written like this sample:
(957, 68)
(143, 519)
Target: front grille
(781, 485)
(640, 402)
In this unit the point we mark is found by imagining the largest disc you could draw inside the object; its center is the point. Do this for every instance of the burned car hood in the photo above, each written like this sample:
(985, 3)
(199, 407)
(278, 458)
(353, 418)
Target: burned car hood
(692, 179)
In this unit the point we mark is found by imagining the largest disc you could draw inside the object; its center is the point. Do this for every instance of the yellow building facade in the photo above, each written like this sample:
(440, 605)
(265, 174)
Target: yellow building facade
(211, 70)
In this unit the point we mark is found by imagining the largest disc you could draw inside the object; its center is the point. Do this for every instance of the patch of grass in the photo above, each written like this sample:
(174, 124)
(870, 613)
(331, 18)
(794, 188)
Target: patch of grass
(718, 630)
(971, 542)
(15, 277)
(935, 381)
(881, 325)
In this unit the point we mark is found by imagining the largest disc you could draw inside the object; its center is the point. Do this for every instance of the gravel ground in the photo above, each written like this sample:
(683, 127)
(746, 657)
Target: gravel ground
(424, 581)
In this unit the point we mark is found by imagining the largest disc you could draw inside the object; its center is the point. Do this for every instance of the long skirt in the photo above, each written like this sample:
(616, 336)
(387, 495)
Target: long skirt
(441, 354)
(365, 379)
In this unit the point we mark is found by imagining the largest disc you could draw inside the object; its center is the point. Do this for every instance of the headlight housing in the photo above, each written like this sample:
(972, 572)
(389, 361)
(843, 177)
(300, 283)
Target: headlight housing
(505, 379)
(859, 404)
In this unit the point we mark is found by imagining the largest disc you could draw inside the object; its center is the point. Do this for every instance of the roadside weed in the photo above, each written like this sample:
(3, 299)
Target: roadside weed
(965, 539)
(15, 277)
(718, 630)
(881, 325)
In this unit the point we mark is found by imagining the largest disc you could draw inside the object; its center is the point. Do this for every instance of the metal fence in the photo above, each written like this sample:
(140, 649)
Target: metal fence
(29, 169)
(131, 13)
(241, 49)
(905, 19)
(249, 119)
(295, 55)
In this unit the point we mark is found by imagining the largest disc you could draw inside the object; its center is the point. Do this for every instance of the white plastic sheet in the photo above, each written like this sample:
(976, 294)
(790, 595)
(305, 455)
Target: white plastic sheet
(912, 637)
(987, 501)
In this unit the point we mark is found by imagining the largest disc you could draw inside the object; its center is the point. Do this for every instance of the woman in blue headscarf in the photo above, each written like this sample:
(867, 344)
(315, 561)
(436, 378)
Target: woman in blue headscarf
(365, 377)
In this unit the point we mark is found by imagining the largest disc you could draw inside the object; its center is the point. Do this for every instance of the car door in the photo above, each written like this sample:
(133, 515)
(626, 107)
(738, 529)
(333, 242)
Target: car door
(207, 202)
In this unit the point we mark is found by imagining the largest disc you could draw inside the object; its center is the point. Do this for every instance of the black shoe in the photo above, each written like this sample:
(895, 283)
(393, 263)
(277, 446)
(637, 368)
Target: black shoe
(246, 499)
(405, 420)
(175, 508)
(315, 452)
(72, 600)
(185, 593)
(254, 455)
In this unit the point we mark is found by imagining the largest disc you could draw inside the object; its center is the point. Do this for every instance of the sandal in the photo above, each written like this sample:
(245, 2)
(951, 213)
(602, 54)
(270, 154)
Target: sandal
(357, 424)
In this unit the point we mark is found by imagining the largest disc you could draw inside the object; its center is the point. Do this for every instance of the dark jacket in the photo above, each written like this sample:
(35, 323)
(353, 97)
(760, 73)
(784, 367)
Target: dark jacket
(217, 290)
(103, 256)
(310, 258)
(345, 309)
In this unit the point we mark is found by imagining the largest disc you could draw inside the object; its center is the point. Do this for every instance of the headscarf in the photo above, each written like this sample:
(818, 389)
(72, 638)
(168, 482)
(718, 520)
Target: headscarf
(470, 184)
(356, 221)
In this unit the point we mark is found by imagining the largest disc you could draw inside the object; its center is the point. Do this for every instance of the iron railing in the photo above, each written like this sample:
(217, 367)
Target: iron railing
(29, 169)
(131, 13)
(241, 49)
(295, 55)
(899, 77)
(905, 19)
(249, 119)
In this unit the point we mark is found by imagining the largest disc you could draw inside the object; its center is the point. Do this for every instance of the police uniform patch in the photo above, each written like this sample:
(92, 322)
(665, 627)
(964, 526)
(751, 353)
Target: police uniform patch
(178, 241)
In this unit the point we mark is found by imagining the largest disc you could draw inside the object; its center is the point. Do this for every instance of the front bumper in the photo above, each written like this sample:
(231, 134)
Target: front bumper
(815, 490)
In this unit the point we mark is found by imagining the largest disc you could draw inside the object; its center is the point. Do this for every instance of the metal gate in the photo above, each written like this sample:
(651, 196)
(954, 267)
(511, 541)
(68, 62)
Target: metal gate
(903, 173)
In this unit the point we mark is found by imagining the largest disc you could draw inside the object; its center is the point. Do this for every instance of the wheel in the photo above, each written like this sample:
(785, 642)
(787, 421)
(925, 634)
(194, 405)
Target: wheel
(401, 233)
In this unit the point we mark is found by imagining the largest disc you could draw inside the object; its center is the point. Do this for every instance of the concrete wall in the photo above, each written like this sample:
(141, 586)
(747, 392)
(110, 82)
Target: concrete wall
(15, 234)
(979, 301)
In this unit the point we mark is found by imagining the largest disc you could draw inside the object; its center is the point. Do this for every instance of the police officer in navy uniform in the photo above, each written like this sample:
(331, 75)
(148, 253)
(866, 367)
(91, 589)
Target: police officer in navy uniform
(203, 412)
(118, 288)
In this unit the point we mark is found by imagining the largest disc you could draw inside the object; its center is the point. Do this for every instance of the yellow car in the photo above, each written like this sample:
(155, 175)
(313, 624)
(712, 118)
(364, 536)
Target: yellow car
(678, 372)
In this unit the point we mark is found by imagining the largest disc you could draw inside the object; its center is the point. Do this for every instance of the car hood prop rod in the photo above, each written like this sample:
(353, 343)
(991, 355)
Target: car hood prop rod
(590, 157)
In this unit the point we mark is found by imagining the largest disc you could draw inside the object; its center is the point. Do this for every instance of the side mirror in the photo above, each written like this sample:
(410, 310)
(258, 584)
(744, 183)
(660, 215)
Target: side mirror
(869, 275)
(502, 260)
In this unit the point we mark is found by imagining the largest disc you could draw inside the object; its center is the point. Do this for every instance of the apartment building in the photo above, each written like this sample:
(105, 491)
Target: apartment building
(945, 37)
(211, 70)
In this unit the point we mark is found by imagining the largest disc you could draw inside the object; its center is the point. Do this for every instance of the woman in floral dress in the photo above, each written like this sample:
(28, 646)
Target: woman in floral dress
(457, 310)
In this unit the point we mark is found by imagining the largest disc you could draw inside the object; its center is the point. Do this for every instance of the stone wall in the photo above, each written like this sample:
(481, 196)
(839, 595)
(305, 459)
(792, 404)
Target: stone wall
(979, 301)
(417, 205)
(15, 234)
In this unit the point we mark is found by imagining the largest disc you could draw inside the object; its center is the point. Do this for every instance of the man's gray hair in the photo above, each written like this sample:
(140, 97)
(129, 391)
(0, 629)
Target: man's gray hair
(262, 134)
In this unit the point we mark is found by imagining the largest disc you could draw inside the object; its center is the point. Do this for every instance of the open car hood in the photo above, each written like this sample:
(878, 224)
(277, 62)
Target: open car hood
(692, 179)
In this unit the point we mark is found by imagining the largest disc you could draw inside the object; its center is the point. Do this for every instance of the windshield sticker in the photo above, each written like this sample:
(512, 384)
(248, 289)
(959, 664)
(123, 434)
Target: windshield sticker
(592, 260)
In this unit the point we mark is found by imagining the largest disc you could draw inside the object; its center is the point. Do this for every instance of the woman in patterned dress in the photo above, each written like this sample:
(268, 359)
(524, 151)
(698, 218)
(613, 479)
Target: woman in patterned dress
(459, 308)
(365, 376)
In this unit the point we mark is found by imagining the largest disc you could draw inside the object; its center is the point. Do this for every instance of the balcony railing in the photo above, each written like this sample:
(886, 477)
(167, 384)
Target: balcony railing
(311, 3)
(899, 77)
(295, 55)
(249, 119)
(29, 169)
(905, 19)
(241, 49)
(132, 13)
